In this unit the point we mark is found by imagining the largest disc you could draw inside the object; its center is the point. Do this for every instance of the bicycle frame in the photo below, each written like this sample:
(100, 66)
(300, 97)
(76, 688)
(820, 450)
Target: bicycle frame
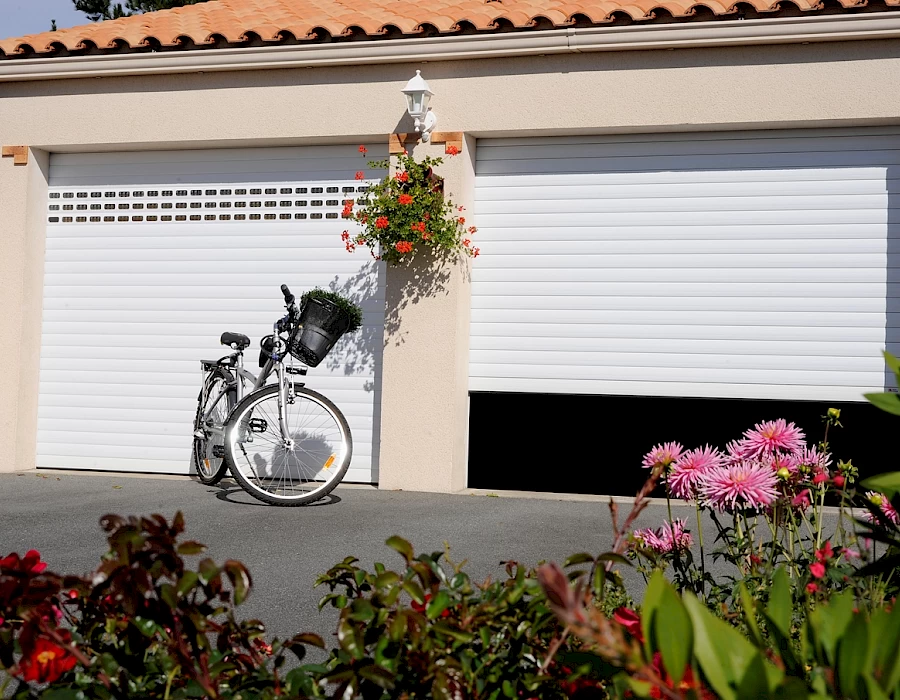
(240, 376)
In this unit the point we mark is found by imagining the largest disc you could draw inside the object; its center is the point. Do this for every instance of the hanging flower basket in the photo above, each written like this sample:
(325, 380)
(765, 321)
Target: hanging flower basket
(407, 212)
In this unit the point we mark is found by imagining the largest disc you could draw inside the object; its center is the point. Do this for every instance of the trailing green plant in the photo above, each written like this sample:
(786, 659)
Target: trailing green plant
(348, 308)
(407, 212)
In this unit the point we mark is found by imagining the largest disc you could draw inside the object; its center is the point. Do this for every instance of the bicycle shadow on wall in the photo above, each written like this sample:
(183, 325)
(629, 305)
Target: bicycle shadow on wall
(360, 353)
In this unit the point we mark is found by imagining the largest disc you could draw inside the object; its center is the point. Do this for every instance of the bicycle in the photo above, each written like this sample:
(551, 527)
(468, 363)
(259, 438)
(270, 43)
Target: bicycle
(284, 444)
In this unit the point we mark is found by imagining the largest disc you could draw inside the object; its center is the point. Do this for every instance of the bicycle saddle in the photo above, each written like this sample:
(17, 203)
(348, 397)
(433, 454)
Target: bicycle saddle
(239, 340)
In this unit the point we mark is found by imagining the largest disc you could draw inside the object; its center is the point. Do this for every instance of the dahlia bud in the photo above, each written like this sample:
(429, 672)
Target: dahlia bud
(834, 413)
(876, 500)
(783, 473)
(839, 481)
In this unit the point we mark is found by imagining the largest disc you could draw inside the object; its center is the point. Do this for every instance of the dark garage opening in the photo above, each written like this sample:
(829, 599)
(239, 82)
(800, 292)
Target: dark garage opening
(594, 444)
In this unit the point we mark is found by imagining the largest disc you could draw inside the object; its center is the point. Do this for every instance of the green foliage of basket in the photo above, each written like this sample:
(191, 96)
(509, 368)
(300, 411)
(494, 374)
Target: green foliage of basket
(352, 311)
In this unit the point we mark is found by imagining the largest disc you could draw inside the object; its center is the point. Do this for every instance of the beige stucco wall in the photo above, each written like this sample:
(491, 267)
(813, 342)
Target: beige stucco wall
(723, 88)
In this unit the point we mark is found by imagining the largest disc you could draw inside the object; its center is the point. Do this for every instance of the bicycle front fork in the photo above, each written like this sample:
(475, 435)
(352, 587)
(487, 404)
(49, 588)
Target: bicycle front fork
(285, 396)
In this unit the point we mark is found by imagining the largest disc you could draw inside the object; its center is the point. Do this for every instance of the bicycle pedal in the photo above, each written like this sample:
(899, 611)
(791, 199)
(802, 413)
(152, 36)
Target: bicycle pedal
(258, 425)
(218, 451)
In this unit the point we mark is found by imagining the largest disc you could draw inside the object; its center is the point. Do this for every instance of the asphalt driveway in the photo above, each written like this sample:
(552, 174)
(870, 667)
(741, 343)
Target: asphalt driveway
(286, 548)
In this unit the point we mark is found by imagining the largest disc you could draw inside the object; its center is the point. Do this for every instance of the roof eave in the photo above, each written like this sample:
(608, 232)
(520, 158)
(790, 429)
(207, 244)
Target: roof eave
(821, 28)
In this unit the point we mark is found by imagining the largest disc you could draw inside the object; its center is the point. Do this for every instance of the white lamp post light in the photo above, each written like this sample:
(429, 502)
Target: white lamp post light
(418, 95)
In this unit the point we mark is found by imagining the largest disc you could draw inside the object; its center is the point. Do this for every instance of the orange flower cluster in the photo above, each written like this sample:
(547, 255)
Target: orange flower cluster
(403, 247)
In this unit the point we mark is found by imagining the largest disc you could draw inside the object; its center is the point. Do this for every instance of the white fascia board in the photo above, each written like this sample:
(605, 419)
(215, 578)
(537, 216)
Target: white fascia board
(642, 37)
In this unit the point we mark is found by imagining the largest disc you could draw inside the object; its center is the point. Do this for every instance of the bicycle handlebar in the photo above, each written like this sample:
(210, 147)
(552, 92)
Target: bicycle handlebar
(288, 297)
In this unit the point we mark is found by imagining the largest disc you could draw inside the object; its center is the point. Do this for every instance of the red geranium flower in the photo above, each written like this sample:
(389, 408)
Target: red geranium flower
(461, 221)
(345, 236)
(363, 150)
(426, 236)
(403, 247)
(46, 661)
(811, 588)
(631, 621)
(817, 569)
(466, 242)
(405, 199)
(476, 252)
(381, 222)
(839, 481)
(472, 229)
(402, 177)
(452, 150)
(360, 175)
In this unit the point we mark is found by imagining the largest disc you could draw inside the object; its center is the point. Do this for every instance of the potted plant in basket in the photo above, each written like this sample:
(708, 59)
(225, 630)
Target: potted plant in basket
(324, 317)
(407, 212)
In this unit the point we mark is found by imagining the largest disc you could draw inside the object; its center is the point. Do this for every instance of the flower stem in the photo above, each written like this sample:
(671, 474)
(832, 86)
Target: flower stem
(702, 553)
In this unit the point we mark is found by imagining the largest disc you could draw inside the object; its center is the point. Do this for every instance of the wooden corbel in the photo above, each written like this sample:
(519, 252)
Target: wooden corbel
(397, 142)
(19, 154)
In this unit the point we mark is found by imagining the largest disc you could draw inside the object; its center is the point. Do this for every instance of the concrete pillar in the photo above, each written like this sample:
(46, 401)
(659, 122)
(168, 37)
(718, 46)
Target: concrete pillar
(23, 212)
(424, 409)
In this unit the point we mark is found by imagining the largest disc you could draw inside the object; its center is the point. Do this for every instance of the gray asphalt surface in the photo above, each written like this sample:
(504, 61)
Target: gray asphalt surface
(286, 548)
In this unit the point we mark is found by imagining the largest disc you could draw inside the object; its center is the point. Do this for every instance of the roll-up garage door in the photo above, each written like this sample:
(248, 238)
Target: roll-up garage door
(152, 255)
(740, 264)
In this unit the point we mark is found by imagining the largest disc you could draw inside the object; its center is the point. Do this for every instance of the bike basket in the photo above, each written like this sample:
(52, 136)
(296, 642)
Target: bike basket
(322, 323)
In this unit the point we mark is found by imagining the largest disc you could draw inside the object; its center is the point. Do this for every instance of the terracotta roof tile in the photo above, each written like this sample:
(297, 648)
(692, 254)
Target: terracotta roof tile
(237, 21)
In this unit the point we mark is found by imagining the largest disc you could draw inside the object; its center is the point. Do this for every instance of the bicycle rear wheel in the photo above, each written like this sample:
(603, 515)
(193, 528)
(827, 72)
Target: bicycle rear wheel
(209, 446)
(291, 472)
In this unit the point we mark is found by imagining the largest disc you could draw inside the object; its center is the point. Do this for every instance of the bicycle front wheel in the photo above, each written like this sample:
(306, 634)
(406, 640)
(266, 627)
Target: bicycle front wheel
(301, 469)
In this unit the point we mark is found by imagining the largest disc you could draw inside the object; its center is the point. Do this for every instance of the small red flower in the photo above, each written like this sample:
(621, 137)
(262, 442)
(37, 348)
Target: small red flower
(73, 594)
(426, 236)
(402, 177)
(820, 478)
(403, 247)
(476, 252)
(360, 240)
(631, 621)
(460, 208)
(451, 150)
(262, 647)
(427, 216)
(29, 564)
(345, 236)
(363, 150)
(824, 554)
(461, 221)
(839, 481)
(405, 199)
(46, 661)
(381, 222)
(472, 229)
(817, 569)
(360, 175)
(466, 242)
(811, 587)
(420, 227)
(801, 500)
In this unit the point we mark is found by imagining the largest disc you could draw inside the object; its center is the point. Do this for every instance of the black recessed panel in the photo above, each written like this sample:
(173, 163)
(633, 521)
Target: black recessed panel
(594, 444)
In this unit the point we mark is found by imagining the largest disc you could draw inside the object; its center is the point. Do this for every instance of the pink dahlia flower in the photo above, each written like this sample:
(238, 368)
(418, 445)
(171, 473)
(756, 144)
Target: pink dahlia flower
(670, 537)
(781, 460)
(685, 477)
(814, 459)
(662, 455)
(746, 485)
(881, 501)
(769, 436)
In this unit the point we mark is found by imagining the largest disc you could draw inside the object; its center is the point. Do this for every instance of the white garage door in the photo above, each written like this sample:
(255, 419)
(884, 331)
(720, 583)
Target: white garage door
(150, 256)
(745, 264)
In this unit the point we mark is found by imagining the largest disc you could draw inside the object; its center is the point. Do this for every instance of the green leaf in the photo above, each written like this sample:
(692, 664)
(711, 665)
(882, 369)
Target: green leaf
(889, 658)
(830, 621)
(438, 604)
(852, 652)
(350, 639)
(781, 606)
(361, 610)
(892, 362)
(886, 402)
(240, 580)
(749, 606)
(208, 570)
(381, 677)
(721, 651)
(652, 598)
(191, 547)
(398, 626)
(581, 558)
(755, 682)
(672, 632)
(415, 591)
(386, 578)
(888, 483)
(873, 690)
(398, 544)
(187, 581)
(450, 631)
(147, 627)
